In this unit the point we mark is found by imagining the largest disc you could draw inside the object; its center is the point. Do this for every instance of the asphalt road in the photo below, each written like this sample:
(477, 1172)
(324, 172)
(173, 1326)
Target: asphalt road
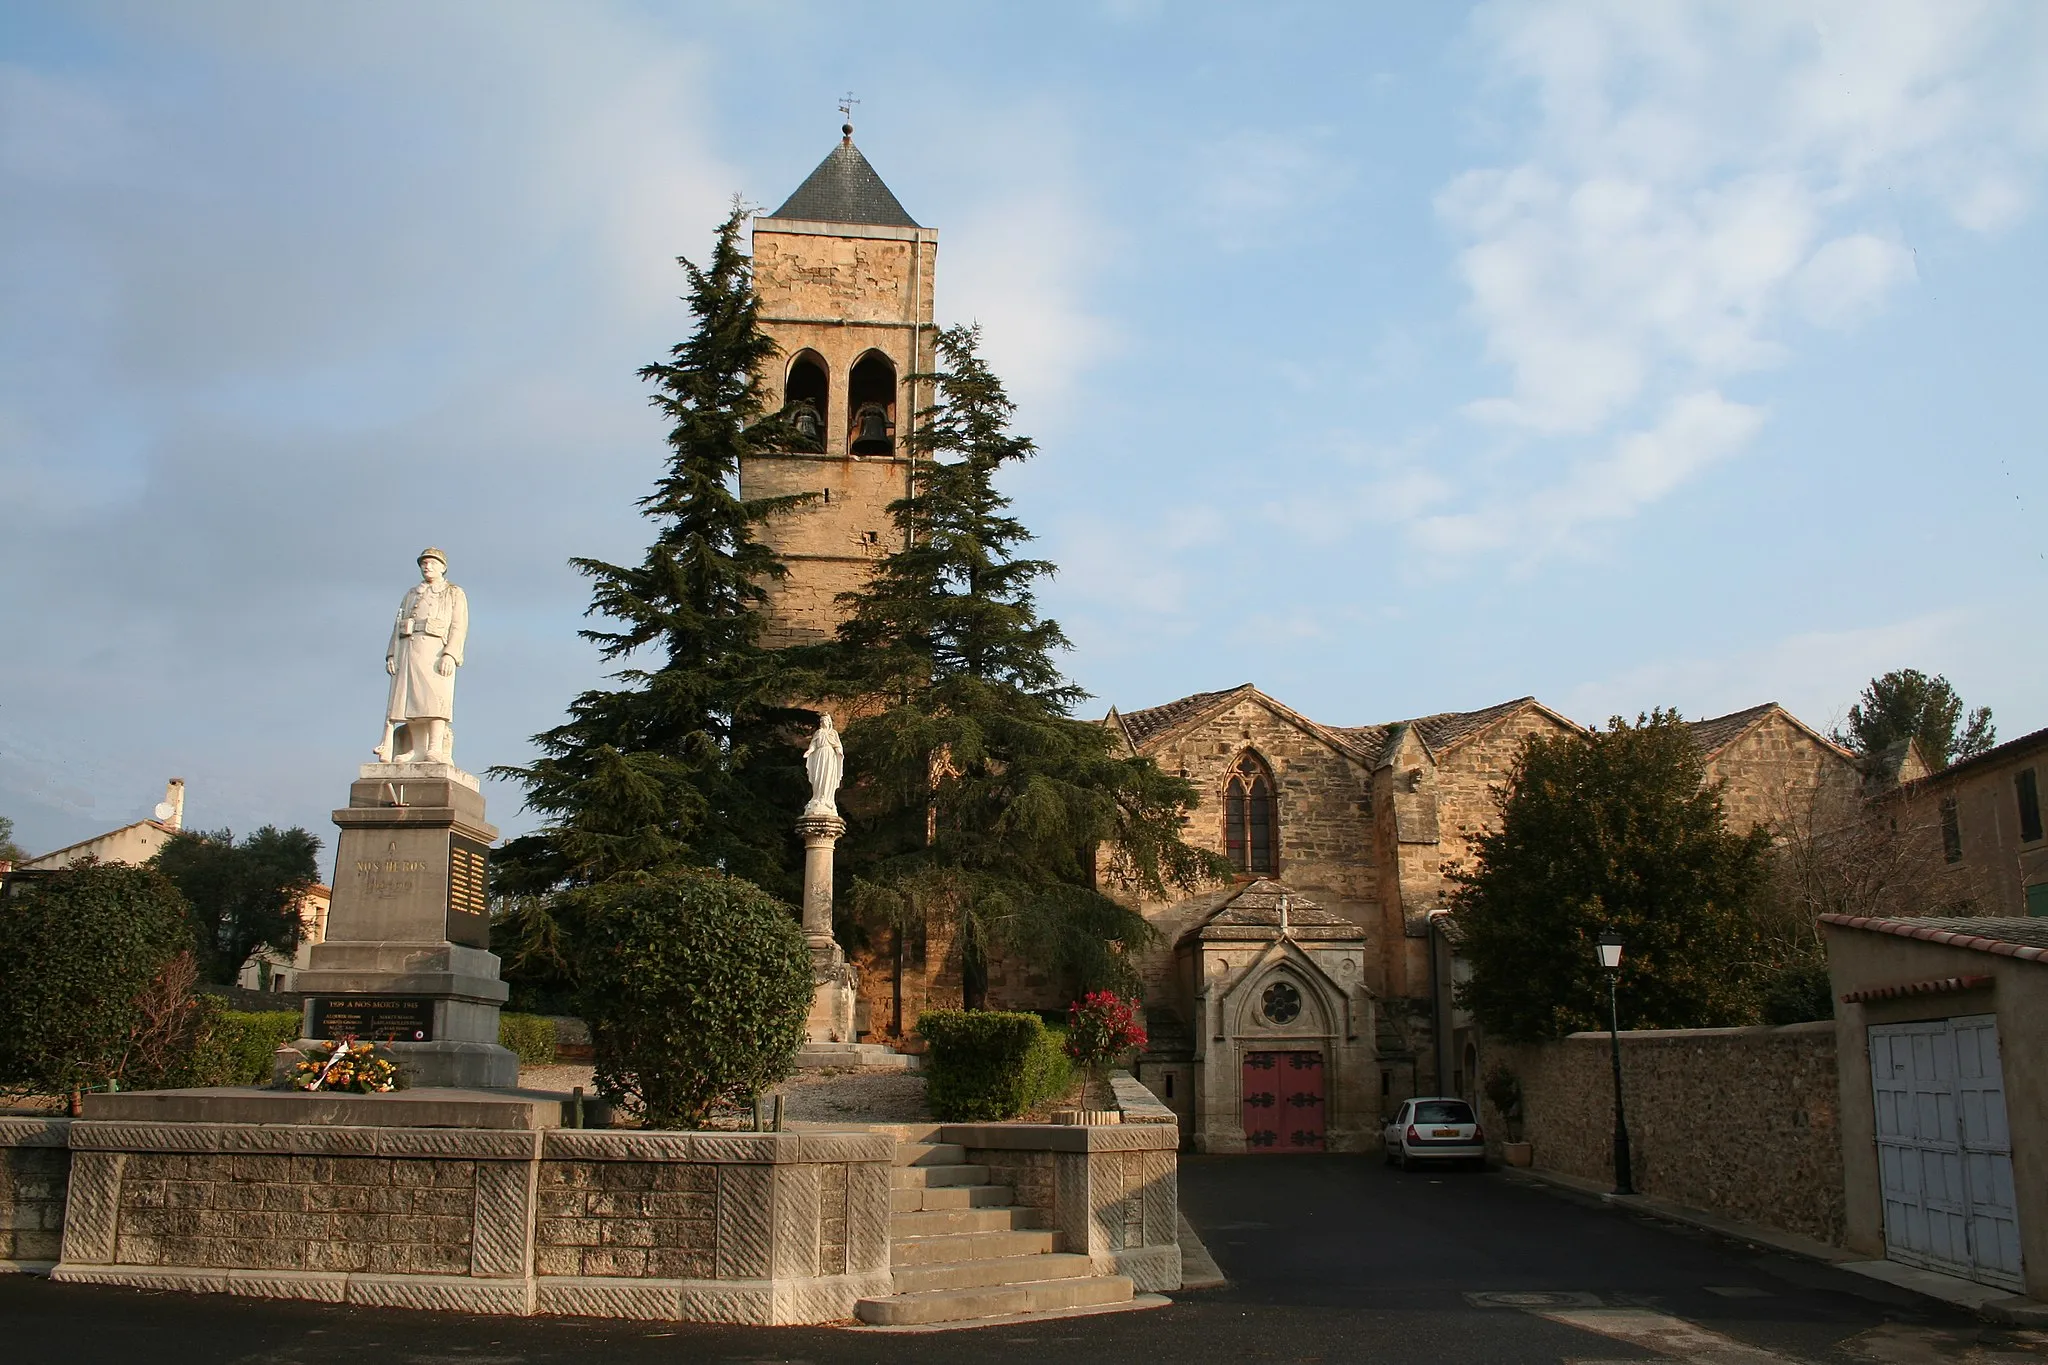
(1330, 1259)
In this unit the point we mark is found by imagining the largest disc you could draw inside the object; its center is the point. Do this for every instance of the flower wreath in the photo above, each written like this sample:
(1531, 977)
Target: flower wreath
(349, 1066)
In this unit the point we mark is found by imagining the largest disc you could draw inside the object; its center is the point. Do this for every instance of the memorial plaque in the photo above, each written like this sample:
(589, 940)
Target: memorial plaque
(373, 1018)
(469, 910)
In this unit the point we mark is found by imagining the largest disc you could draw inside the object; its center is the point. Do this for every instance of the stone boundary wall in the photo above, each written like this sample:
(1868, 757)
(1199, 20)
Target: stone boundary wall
(705, 1227)
(1113, 1191)
(35, 1168)
(1737, 1121)
(1136, 1102)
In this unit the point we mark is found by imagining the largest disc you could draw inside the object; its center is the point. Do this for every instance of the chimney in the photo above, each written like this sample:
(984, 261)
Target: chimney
(174, 797)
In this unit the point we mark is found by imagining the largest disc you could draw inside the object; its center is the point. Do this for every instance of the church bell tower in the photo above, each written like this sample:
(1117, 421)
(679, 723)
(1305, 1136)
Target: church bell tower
(845, 277)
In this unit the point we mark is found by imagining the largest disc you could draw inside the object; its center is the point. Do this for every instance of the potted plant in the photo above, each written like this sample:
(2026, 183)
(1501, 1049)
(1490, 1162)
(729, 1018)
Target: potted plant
(1504, 1093)
(1101, 1026)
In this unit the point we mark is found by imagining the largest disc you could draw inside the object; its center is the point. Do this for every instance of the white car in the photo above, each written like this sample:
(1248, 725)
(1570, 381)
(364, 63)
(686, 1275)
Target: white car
(1434, 1128)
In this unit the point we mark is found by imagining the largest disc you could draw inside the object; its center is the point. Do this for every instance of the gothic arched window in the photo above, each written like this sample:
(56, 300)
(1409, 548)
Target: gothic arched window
(1249, 823)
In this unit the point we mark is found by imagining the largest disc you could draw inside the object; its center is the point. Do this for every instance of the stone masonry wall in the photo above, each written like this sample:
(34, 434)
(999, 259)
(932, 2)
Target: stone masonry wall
(217, 1211)
(1466, 777)
(35, 1167)
(1323, 802)
(1777, 772)
(1741, 1122)
(718, 1227)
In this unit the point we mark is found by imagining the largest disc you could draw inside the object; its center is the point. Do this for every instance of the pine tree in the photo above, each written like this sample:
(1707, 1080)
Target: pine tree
(690, 760)
(1907, 703)
(974, 790)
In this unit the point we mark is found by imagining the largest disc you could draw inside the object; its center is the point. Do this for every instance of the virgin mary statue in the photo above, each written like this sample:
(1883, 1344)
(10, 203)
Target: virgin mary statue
(825, 761)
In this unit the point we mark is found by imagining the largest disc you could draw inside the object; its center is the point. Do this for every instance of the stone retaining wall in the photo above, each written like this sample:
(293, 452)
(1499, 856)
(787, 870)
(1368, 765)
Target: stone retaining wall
(1738, 1121)
(35, 1167)
(708, 1227)
(1113, 1191)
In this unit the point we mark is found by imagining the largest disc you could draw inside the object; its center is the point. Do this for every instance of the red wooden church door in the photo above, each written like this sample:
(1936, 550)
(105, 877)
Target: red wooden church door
(1283, 1101)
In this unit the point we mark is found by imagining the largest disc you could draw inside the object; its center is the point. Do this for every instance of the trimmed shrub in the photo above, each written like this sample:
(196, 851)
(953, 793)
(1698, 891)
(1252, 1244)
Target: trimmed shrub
(246, 1040)
(985, 1064)
(79, 951)
(695, 987)
(532, 1036)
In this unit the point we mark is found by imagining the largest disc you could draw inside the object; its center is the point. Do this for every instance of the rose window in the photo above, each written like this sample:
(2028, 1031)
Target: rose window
(1281, 1002)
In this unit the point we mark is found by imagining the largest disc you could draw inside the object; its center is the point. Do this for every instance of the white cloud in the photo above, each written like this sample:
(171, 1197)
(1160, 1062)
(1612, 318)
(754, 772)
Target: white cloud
(1697, 175)
(1698, 430)
(1846, 280)
(1019, 253)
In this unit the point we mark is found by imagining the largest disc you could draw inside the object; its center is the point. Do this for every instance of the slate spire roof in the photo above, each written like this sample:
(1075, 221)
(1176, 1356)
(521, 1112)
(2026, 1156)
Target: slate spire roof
(845, 189)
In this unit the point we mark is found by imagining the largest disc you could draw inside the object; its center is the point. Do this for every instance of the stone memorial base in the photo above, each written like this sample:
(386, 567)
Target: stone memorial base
(407, 960)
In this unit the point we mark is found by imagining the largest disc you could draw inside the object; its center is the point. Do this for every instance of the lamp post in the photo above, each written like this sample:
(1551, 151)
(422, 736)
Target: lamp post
(1609, 949)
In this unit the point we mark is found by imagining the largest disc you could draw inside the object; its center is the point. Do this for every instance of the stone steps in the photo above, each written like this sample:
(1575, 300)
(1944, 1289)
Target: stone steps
(946, 1222)
(988, 1301)
(961, 1251)
(912, 1198)
(1052, 1265)
(930, 1154)
(971, 1246)
(923, 1177)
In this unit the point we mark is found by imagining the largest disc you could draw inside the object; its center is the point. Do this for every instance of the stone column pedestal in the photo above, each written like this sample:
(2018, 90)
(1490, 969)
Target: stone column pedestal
(838, 981)
(407, 958)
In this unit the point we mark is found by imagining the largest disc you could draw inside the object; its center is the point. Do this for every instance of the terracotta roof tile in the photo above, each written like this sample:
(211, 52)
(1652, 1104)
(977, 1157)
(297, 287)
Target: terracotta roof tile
(2004, 935)
(1142, 725)
(1717, 732)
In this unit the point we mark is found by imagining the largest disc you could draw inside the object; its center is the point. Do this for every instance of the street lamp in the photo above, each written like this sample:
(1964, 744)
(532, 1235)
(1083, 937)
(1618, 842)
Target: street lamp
(1609, 950)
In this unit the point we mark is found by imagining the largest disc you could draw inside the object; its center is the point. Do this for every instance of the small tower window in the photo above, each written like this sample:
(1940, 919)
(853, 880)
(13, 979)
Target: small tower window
(806, 398)
(1248, 817)
(871, 406)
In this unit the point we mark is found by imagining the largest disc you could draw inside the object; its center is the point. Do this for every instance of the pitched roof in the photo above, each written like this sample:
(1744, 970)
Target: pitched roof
(1441, 732)
(2011, 749)
(1257, 909)
(1718, 732)
(2004, 935)
(1142, 725)
(845, 189)
(32, 863)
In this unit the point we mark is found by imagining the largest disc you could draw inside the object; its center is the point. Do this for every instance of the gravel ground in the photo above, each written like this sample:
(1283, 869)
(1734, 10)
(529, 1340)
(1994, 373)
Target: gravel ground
(807, 1097)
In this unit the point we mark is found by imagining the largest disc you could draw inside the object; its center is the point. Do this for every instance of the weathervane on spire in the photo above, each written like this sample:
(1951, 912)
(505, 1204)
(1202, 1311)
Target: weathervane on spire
(846, 103)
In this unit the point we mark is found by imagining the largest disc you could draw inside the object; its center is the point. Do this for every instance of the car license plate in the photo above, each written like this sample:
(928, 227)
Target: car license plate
(1443, 1132)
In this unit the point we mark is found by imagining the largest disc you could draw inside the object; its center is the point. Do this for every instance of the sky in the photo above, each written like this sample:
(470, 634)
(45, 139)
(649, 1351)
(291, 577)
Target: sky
(1396, 358)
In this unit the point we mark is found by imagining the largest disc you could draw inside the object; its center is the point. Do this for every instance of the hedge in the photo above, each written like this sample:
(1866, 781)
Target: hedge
(79, 949)
(245, 1043)
(532, 1036)
(985, 1064)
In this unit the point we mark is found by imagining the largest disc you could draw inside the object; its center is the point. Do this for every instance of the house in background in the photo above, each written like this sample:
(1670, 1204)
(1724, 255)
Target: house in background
(269, 970)
(134, 844)
(1986, 811)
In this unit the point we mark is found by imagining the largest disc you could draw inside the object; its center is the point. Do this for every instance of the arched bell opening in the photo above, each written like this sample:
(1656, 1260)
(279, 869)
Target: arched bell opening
(806, 398)
(871, 406)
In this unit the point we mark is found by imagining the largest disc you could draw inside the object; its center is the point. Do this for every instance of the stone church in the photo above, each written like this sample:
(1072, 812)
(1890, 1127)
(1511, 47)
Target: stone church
(1294, 1005)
